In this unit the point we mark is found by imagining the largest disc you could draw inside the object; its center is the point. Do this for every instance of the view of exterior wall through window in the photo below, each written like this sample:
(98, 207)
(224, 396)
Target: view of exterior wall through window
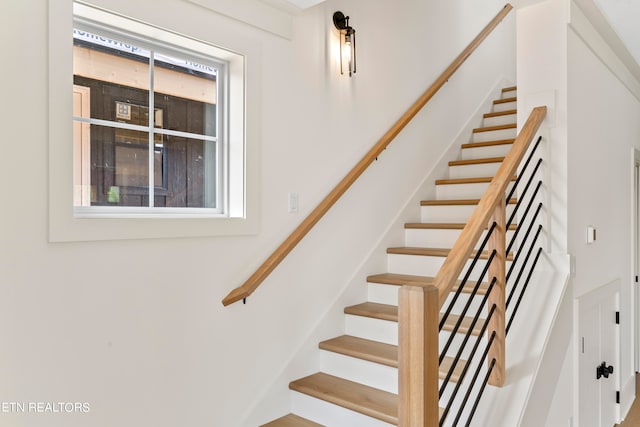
(147, 121)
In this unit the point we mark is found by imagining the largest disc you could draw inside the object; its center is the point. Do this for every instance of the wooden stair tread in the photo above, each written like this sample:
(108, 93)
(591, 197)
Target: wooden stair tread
(457, 202)
(373, 351)
(440, 252)
(509, 89)
(505, 100)
(446, 365)
(442, 226)
(388, 312)
(366, 400)
(499, 113)
(400, 279)
(382, 353)
(479, 180)
(374, 310)
(292, 420)
(405, 279)
(476, 161)
(492, 128)
(487, 143)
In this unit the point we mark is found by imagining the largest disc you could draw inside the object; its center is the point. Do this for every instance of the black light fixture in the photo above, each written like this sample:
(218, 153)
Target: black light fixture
(347, 42)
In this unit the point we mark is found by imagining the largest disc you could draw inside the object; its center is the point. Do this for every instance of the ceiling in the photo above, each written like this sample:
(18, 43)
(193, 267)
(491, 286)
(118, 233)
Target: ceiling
(623, 16)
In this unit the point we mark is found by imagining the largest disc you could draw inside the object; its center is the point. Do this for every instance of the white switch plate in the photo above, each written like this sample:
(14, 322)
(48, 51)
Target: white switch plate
(591, 234)
(293, 202)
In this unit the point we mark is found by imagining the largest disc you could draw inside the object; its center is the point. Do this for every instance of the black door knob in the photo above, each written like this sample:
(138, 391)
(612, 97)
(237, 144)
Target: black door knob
(603, 370)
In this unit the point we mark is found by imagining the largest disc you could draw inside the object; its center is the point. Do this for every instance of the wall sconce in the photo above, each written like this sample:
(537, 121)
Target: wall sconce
(347, 42)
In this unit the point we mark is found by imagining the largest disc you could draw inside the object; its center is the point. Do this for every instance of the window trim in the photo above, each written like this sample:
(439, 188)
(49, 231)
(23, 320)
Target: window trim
(242, 217)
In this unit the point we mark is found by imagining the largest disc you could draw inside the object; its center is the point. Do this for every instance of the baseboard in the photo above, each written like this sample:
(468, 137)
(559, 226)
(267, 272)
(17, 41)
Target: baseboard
(627, 396)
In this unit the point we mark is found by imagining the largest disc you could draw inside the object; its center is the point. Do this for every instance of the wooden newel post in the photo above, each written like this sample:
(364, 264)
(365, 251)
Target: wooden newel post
(418, 318)
(497, 269)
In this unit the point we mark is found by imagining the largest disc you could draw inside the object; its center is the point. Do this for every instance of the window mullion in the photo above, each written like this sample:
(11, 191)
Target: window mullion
(152, 116)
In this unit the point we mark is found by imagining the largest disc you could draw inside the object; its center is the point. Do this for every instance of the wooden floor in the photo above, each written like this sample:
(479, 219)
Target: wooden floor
(633, 417)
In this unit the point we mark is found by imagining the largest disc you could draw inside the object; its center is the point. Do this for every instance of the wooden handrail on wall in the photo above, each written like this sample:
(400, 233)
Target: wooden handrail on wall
(418, 351)
(248, 287)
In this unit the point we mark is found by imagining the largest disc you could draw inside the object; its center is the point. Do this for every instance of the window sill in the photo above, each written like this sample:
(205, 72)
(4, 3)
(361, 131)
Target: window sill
(113, 212)
(65, 227)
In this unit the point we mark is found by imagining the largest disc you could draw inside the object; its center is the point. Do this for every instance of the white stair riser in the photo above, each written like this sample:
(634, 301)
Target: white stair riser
(388, 294)
(485, 152)
(451, 213)
(458, 340)
(505, 119)
(504, 106)
(372, 329)
(437, 238)
(382, 294)
(463, 191)
(330, 415)
(361, 371)
(387, 332)
(426, 265)
(473, 171)
(509, 94)
(475, 305)
(494, 135)
(371, 374)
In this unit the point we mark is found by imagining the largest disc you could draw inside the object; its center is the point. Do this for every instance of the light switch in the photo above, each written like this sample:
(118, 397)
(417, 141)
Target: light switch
(591, 234)
(293, 202)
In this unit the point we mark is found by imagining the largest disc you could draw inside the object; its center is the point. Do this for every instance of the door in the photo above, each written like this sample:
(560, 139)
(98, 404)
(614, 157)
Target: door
(598, 357)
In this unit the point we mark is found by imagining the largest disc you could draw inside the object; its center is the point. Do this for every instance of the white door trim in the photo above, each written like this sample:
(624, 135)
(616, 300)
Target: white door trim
(635, 254)
(594, 298)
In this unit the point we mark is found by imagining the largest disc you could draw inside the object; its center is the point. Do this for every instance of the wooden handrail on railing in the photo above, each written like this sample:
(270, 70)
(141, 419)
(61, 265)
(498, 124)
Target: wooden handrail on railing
(462, 248)
(248, 287)
(417, 348)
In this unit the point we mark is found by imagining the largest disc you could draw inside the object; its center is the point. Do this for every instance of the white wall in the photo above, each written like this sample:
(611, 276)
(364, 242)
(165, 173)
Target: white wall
(542, 80)
(603, 129)
(135, 327)
(595, 129)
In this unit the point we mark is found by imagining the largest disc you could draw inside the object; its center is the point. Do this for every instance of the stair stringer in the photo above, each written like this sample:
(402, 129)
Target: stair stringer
(275, 398)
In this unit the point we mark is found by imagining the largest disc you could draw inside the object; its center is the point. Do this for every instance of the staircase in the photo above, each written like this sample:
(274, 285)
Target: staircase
(358, 384)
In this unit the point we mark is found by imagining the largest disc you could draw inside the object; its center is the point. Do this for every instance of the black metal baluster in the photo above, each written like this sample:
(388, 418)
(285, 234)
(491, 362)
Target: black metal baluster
(474, 379)
(466, 308)
(525, 214)
(484, 384)
(468, 334)
(524, 191)
(466, 366)
(524, 288)
(515, 285)
(524, 167)
(466, 276)
(517, 255)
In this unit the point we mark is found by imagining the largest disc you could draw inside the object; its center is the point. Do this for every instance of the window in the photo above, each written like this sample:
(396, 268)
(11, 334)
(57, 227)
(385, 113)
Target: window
(151, 137)
(150, 122)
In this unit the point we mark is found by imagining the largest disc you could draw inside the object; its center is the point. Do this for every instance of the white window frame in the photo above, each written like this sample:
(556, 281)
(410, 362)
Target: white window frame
(67, 223)
(95, 21)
